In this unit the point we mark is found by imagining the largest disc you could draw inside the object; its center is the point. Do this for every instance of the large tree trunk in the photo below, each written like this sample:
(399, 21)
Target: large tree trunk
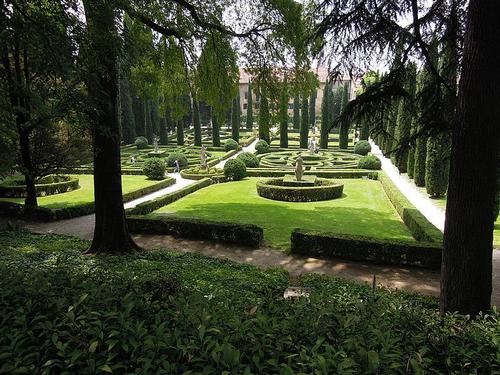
(466, 272)
(110, 233)
(29, 177)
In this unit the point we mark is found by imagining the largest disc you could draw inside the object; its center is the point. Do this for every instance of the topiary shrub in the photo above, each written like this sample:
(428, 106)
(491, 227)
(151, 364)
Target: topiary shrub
(154, 168)
(362, 148)
(250, 160)
(230, 144)
(262, 147)
(370, 162)
(181, 159)
(235, 169)
(141, 143)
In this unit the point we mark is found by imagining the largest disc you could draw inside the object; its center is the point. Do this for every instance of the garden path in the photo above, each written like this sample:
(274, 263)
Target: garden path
(423, 203)
(249, 148)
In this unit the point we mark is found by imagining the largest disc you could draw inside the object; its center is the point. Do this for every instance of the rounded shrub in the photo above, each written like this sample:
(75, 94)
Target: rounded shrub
(230, 144)
(181, 158)
(154, 168)
(235, 169)
(250, 160)
(262, 147)
(141, 143)
(370, 162)
(362, 148)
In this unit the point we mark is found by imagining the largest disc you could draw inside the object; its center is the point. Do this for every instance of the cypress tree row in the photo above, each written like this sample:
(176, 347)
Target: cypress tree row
(344, 128)
(155, 117)
(235, 114)
(304, 123)
(312, 108)
(390, 130)
(296, 112)
(180, 132)
(264, 116)
(420, 158)
(239, 110)
(196, 123)
(127, 113)
(410, 167)
(437, 164)
(147, 121)
(326, 109)
(163, 131)
(249, 107)
(283, 116)
(139, 116)
(215, 128)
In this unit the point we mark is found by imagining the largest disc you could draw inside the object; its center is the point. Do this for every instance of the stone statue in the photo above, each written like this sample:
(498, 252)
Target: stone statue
(156, 145)
(299, 168)
(311, 146)
(203, 157)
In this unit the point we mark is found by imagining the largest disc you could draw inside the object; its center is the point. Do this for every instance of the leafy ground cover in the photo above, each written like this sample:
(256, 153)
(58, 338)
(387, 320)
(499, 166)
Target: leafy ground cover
(165, 312)
(85, 193)
(362, 210)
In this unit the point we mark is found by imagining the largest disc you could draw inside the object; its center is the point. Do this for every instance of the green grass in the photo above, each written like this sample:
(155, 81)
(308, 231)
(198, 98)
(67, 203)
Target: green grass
(363, 210)
(86, 192)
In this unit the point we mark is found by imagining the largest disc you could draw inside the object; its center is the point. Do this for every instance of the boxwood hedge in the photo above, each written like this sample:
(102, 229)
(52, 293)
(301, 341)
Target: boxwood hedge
(48, 185)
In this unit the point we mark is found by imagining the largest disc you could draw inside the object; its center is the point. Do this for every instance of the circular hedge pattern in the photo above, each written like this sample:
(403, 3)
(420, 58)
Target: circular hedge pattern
(322, 190)
(48, 185)
(321, 160)
(197, 173)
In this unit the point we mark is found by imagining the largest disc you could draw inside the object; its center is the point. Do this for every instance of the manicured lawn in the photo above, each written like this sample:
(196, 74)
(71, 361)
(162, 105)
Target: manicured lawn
(86, 192)
(364, 210)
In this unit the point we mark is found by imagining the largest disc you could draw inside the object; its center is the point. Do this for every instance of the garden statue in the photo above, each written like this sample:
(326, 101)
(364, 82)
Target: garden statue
(299, 169)
(203, 157)
(156, 141)
(177, 168)
(312, 145)
(132, 159)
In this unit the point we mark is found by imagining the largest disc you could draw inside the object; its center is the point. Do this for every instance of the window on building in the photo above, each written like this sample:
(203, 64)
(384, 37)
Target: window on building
(245, 106)
(246, 94)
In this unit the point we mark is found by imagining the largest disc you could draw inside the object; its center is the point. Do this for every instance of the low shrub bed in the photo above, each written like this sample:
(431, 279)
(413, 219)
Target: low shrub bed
(152, 205)
(337, 173)
(197, 173)
(361, 248)
(242, 234)
(276, 189)
(420, 228)
(166, 312)
(48, 185)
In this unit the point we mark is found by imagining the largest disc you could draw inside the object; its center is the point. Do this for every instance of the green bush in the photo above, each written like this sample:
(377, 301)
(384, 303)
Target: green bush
(362, 148)
(48, 185)
(235, 169)
(276, 189)
(154, 168)
(370, 162)
(141, 143)
(230, 144)
(250, 159)
(262, 147)
(361, 248)
(181, 158)
(242, 234)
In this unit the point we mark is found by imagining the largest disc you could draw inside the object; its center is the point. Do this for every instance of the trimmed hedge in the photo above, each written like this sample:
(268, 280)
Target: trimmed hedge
(362, 148)
(141, 143)
(154, 168)
(334, 173)
(322, 190)
(152, 205)
(242, 234)
(420, 228)
(250, 159)
(361, 248)
(262, 147)
(197, 173)
(46, 214)
(370, 162)
(231, 144)
(181, 159)
(44, 187)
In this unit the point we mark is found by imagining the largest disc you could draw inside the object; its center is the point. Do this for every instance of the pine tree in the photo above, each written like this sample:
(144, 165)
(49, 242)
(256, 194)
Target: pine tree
(325, 114)
(196, 123)
(127, 113)
(235, 114)
(296, 112)
(249, 107)
(312, 108)
(304, 123)
(283, 116)
(264, 116)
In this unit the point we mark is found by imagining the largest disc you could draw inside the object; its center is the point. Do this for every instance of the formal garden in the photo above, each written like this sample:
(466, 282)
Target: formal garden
(258, 188)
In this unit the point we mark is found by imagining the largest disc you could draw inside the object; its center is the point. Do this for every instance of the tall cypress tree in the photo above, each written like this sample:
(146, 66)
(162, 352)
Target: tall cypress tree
(147, 120)
(410, 167)
(325, 115)
(264, 116)
(215, 128)
(249, 107)
(139, 117)
(180, 132)
(420, 158)
(283, 116)
(127, 113)
(155, 117)
(344, 128)
(235, 114)
(304, 123)
(163, 131)
(296, 112)
(312, 108)
(196, 123)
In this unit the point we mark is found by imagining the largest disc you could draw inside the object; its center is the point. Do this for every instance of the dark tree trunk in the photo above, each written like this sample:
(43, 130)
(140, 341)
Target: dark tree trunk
(215, 129)
(110, 234)
(466, 272)
(196, 123)
(29, 176)
(343, 137)
(304, 123)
